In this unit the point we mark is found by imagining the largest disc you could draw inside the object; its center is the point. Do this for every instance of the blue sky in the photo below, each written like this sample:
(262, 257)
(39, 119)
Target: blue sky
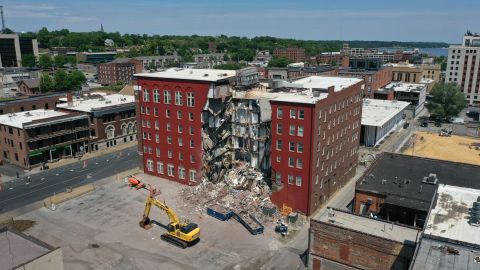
(404, 20)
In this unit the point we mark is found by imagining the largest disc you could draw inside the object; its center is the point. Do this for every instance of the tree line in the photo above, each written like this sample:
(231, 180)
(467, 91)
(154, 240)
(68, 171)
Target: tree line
(237, 48)
(62, 81)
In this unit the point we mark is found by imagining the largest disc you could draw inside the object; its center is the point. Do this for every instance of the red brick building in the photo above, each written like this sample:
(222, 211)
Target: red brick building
(170, 106)
(315, 138)
(374, 79)
(119, 70)
(293, 53)
(29, 86)
(341, 240)
(44, 101)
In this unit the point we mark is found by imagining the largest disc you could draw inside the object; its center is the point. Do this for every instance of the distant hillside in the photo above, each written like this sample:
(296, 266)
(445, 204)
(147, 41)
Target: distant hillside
(238, 48)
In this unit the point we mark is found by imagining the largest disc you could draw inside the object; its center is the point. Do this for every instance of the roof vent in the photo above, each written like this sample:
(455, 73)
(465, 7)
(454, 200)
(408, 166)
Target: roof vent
(475, 214)
(205, 75)
(430, 179)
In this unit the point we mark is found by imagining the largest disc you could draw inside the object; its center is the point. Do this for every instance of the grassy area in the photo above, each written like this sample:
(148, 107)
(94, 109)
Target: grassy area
(115, 88)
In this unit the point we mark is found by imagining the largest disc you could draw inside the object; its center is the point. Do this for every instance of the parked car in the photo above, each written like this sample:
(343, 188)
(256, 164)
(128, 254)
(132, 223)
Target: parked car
(424, 124)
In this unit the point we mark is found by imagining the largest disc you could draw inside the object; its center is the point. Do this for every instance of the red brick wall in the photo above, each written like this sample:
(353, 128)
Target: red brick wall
(200, 91)
(362, 198)
(355, 249)
(29, 104)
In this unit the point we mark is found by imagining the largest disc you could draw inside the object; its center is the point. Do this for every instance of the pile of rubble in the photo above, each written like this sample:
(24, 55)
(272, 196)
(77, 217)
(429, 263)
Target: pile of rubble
(243, 190)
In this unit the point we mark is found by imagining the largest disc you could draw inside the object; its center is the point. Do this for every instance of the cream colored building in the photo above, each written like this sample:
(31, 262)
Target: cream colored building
(410, 73)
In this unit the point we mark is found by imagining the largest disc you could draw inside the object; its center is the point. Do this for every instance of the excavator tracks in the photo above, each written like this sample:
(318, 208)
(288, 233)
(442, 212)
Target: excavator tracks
(174, 241)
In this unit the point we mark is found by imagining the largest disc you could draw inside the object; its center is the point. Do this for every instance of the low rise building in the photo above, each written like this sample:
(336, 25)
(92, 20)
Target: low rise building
(295, 54)
(33, 137)
(93, 57)
(410, 73)
(379, 119)
(120, 70)
(62, 50)
(413, 93)
(20, 251)
(42, 101)
(112, 118)
(451, 239)
(400, 188)
(29, 86)
(209, 60)
(159, 61)
(345, 241)
(374, 79)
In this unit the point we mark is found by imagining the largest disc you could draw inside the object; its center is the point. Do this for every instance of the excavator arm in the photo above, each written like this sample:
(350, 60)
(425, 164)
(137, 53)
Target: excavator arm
(170, 213)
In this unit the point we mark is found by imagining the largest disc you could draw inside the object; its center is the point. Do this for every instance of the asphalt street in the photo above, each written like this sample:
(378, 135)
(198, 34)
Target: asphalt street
(21, 192)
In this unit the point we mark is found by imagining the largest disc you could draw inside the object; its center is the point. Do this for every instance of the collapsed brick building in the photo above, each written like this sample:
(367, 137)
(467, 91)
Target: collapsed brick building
(302, 136)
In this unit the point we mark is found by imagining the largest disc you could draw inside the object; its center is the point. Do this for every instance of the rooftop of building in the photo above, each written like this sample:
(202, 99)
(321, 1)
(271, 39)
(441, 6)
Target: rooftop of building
(450, 215)
(207, 75)
(371, 226)
(20, 119)
(411, 182)
(16, 249)
(32, 83)
(377, 112)
(405, 87)
(154, 57)
(86, 104)
(440, 255)
(120, 61)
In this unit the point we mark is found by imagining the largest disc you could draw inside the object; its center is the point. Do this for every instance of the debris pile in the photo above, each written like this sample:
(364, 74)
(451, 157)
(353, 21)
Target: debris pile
(243, 190)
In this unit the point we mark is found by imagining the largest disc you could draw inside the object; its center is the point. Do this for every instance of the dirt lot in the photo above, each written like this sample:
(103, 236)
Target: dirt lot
(100, 231)
(454, 148)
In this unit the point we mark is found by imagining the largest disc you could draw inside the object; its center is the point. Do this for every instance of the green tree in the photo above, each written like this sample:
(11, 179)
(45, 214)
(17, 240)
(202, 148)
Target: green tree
(61, 80)
(279, 62)
(8, 31)
(447, 100)
(46, 83)
(59, 61)
(72, 60)
(76, 79)
(45, 61)
(28, 60)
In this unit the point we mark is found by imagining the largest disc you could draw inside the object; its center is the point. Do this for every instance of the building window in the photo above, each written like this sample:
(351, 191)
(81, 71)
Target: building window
(147, 110)
(279, 144)
(155, 111)
(301, 114)
(292, 130)
(159, 167)
(181, 172)
(180, 142)
(279, 158)
(193, 175)
(167, 113)
(180, 156)
(110, 131)
(279, 129)
(149, 165)
(180, 128)
(291, 162)
(178, 98)
(292, 146)
(170, 169)
(157, 150)
(169, 154)
(279, 113)
(278, 178)
(190, 116)
(156, 95)
(300, 147)
(157, 138)
(169, 139)
(146, 95)
(190, 99)
(179, 114)
(299, 181)
(169, 127)
(124, 129)
(191, 131)
(300, 131)
(299, 163)
(290, 179)
(157, 127)
(292, 113)
(167, 98)
(192, 144)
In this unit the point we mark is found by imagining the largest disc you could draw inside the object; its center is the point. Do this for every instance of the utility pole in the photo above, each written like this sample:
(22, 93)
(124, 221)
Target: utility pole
(3, 19)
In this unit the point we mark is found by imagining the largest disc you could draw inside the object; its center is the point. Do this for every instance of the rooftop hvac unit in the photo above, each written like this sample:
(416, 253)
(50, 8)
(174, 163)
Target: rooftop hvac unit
(430, 179)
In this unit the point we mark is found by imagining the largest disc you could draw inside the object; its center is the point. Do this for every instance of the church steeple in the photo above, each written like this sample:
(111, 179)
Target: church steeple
(101, 28)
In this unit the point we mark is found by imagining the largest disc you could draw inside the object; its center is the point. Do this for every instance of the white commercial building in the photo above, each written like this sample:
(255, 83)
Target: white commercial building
(413, 93)
(379, 118)
(463, 67)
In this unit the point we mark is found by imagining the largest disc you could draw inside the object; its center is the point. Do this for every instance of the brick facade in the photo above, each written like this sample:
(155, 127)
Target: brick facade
(293, 53)
(119, 70)
(30, 103)
(333, 247)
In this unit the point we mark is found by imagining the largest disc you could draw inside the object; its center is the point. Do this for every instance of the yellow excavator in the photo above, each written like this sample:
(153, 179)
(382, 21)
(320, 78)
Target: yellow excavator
(181, 234)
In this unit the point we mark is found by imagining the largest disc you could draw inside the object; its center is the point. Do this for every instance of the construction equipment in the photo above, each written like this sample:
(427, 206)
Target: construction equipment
(181, 234)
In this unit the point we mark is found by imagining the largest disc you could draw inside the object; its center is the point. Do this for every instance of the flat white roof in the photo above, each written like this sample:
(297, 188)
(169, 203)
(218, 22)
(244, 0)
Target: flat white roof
(405, 87)
(325, 82)
(207, 75)
(377, 112)
(449, 217)
(87, 105)
(19, 119)
(376, 227)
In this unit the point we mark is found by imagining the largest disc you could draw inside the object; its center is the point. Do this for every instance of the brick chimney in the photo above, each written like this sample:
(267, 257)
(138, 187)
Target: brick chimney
(70, 98)
(345, 62)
